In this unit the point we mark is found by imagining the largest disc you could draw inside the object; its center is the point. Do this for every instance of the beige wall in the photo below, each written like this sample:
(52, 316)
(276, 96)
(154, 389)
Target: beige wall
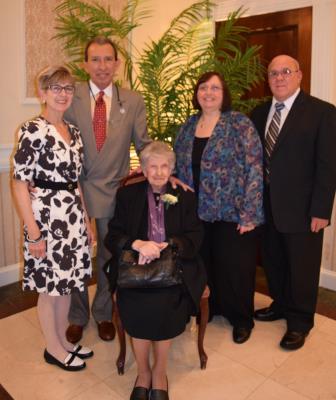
(12, 67)
(13, 112)
(163, 12)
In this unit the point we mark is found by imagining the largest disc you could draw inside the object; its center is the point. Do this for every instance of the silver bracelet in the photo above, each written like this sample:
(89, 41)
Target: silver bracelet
(34, 241)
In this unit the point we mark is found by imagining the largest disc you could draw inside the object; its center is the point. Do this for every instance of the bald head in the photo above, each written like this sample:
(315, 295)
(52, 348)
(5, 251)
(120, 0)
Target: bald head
(284, 76)
(283, 58)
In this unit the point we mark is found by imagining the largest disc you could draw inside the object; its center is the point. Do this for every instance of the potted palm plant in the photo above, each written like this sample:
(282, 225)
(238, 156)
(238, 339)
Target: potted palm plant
(166, 69)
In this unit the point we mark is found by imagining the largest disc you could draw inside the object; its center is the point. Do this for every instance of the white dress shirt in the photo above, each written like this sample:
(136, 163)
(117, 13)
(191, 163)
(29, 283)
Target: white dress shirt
(284, 112)
(94, 93)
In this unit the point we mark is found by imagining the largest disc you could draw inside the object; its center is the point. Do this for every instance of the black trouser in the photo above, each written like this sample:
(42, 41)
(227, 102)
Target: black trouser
(230, 260)
(292, 266)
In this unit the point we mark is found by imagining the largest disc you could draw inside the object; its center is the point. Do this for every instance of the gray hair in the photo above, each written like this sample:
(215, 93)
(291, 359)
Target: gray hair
(54, 74)
(157, 148)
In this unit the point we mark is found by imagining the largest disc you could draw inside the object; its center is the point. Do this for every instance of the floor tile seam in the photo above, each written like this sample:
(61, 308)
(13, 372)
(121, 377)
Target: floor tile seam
(30, 321)
(85, 389)
(255, 369)
(96, 384)
(230, 358)
(119, 394)
(256, 388)
(304, 395)
(291, 354)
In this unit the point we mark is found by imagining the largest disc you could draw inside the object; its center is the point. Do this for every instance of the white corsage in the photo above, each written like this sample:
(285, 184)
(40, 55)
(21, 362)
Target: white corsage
(169, 199)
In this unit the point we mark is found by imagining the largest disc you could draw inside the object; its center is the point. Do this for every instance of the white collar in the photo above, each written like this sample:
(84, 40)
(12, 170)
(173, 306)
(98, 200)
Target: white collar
(288, 102)
(95, 89)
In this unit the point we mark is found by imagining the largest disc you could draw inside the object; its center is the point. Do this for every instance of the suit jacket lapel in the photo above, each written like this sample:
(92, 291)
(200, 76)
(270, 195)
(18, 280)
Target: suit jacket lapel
(83, 95)
(291, 120)
(115, 115)
(263, 121)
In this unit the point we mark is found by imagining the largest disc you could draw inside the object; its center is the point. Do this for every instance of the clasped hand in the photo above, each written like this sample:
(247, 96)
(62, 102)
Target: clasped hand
(38, 250)
(148, 250)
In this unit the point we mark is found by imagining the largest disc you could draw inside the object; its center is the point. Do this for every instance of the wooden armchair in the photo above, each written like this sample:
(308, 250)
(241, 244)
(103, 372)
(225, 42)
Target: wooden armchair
(202, 319)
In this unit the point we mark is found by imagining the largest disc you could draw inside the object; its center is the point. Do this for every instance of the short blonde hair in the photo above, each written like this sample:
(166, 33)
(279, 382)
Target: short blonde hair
(54, 74)
(157, 148)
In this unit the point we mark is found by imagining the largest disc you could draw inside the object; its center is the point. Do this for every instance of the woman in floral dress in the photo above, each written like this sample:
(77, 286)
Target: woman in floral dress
(57, 231)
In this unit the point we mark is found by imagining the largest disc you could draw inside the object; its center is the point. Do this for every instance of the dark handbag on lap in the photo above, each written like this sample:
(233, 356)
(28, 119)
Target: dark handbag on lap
(161, 272)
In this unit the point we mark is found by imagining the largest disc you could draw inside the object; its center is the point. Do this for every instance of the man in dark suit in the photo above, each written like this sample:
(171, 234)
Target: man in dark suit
(122, 115)
(298, 132)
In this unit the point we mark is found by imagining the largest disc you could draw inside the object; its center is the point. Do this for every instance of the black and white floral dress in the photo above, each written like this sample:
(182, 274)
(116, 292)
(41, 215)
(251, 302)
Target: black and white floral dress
(43, 154)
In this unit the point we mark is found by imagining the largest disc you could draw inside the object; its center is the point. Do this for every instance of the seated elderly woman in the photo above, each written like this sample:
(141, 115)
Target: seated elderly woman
(145, 222)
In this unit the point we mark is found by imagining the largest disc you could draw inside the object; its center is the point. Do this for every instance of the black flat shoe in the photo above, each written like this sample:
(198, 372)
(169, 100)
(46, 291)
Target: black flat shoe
(139, 393)
(240, 334)
(159, 394)
(293, 340)
(67, 365)
(81, 352)
(267, 314)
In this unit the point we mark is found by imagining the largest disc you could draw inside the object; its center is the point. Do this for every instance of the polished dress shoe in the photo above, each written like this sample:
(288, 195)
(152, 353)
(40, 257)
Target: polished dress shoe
(106, 330)
(267, 314)
(293, 340)
(71, 362)
(74, 333)
(159, 394)
(241, 334)
(81, 351)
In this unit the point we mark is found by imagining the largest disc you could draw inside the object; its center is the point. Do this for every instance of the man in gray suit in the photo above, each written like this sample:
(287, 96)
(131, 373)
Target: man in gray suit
(106, 162)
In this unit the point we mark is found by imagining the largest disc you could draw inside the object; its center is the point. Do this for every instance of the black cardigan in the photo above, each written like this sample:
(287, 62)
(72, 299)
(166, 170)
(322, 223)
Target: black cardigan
(182, 227)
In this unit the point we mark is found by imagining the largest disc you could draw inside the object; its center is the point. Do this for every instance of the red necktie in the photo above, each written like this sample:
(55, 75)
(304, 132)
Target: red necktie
(99, 121)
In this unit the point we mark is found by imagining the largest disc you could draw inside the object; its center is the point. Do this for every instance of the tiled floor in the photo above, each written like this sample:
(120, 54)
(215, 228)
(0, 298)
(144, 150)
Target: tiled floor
(256, 370)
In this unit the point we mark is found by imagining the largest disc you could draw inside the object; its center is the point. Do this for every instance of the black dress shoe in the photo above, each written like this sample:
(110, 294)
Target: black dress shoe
(159, 394)
(293, 340)
(70, 363)
(240, 334)
(267, 314)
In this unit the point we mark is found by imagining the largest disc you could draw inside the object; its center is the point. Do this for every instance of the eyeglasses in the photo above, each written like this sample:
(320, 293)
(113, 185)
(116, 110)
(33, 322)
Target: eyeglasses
(57, 89)
(285, 73)
(212, 88)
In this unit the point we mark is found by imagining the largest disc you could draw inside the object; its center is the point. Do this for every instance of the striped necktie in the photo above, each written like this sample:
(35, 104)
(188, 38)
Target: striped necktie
(99, 121)
(272, 135)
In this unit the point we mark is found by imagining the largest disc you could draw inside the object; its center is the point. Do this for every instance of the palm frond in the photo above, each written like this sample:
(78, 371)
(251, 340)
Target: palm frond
(166, 70)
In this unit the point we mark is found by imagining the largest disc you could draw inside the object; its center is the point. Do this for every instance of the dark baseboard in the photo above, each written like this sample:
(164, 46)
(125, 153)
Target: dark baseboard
(4, 395)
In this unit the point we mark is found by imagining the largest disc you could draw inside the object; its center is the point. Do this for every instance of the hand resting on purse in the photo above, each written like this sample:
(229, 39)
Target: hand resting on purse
(148, 250)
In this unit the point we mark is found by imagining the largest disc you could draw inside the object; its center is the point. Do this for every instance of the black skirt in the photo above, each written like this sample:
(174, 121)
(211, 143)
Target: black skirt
(154, 314)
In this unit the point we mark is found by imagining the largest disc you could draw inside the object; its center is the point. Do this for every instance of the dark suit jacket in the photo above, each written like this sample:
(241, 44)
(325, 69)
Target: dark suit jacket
(181, 224)
(303, 163)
